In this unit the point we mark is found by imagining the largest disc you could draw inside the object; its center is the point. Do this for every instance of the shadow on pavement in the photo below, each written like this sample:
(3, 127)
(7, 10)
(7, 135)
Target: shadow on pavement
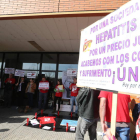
(4, 130)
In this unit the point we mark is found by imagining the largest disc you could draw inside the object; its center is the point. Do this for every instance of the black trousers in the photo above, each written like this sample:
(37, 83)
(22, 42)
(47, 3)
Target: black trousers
(20, 98)
(59, 101)
(8, 97)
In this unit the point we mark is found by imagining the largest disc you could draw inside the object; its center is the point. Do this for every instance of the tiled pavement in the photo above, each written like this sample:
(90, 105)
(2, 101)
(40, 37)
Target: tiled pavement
(11, 127)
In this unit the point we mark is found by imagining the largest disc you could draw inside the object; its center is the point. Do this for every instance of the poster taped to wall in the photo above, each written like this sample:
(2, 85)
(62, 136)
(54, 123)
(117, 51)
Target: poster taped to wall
(19, 73)
(31, 74)
(110, 51)
(71, 72)
(9, 70)
(44, 85)
(66, 81)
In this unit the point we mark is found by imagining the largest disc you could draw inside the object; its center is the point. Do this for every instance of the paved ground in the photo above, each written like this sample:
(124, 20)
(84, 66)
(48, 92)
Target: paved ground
(11, 127)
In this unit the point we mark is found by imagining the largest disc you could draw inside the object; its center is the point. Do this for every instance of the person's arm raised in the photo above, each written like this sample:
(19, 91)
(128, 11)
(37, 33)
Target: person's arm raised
(102, 112)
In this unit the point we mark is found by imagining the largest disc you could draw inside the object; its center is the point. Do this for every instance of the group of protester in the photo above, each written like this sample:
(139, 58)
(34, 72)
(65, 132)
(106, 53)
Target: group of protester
(90, 105)
(29, 88)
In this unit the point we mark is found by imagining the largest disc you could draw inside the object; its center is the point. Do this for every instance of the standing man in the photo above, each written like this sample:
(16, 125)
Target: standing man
(43, 93)
(21, 87)
(88, 102)
(9, 87)
(122, 118)
(74, 93)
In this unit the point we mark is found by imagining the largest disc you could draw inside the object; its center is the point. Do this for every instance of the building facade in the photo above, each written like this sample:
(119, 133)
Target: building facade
(44, 35)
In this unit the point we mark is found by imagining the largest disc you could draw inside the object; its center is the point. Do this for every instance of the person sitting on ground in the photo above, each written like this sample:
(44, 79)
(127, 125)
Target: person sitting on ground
(58, 94)
(30, 90)
(9, 87)
(43, 94)
(21, 87)
(74, 92)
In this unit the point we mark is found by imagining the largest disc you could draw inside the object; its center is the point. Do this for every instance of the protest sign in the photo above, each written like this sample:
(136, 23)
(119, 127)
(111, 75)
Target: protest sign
(31, 74)
(109, 51)
(19, 73)
(71, 72)
(60, 87)
(9, 70)
(44, 85)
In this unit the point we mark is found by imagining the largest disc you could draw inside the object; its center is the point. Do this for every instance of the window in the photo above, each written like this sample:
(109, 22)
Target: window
(49, 61)
(67, 61)
(10, 60)
(29, 61)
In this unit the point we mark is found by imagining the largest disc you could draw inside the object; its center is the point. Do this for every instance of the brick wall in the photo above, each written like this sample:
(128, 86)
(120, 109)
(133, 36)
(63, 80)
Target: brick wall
(40, 6)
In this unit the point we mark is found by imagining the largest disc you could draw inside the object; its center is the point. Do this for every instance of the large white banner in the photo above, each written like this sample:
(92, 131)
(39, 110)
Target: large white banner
(110, 51)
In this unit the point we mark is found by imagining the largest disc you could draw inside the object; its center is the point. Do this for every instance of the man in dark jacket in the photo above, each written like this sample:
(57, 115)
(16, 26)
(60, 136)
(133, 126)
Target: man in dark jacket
(21, 87)
(88, 103)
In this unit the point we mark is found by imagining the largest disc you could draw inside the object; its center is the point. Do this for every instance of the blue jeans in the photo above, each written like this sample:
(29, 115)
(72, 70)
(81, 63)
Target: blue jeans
(44, 97)
(72, 100)
(123, 132)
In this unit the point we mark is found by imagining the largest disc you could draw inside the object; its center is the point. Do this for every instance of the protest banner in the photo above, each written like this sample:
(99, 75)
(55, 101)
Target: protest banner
(110, 55)
(9, 70)
(71, 72)
(31, 74)
(44, 85)
(19, 73)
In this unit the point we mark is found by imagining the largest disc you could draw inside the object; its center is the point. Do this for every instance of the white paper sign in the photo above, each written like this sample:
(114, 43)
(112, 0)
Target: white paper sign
(19, 73)
(71, 72)
(110, 51)
(31, 74)
(9, 70)
(44, 85)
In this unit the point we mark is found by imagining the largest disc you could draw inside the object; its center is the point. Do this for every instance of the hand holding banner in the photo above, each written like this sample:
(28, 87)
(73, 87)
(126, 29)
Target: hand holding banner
(31, 74)
(19, 73)
(9, 70)
(109, 51)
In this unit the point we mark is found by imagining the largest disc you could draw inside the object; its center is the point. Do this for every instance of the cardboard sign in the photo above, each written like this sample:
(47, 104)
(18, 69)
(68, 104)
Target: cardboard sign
(60, 87)
(71, 72)
(110, 51)
(44, 85)
(19, 73)
(9, 70)
(31, 74)
(70, 122)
